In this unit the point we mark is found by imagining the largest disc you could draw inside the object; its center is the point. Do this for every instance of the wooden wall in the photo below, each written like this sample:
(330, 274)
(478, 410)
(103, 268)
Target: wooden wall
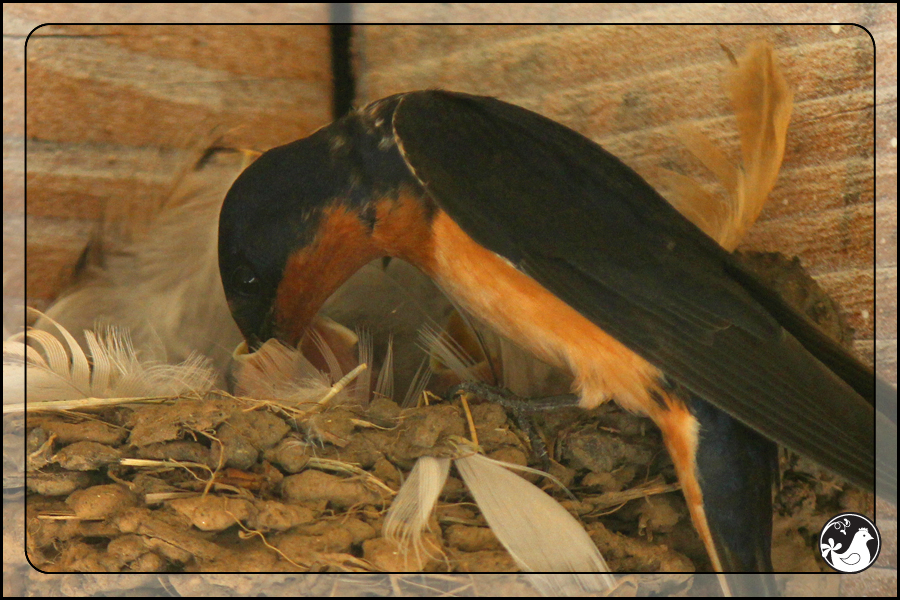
(113, 111)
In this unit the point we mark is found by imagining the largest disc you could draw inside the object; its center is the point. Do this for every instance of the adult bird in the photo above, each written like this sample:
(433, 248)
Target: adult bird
(559, 246)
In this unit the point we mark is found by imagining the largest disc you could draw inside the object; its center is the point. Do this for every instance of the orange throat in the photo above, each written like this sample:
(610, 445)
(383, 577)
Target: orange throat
(343, 244)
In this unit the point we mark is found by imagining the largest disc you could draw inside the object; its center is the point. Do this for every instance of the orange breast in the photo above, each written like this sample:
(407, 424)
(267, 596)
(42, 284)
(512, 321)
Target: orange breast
(521, 309)
(517, 306)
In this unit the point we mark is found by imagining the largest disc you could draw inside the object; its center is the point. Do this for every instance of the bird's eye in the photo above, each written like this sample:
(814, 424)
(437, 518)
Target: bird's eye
(245, 281)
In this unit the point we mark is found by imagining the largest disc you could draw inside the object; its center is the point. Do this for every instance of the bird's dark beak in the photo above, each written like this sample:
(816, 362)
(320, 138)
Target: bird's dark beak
(254, 320)
(252, 342)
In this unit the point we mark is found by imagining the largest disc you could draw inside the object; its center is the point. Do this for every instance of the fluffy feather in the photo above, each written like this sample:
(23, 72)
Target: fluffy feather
(384, 387)
(447, 353)
(462, 348)
(277, 372)
(762, 103)
(418, 384)
(60, 370)
(318, 370)
(164, 287)
(555, 543)
(407, 518)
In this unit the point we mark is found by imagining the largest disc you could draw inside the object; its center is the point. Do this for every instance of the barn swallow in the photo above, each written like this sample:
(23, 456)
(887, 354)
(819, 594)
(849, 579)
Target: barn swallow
(559, 246)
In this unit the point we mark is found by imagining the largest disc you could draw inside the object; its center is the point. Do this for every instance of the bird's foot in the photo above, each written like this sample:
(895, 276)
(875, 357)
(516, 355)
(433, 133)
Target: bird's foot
(520, 409)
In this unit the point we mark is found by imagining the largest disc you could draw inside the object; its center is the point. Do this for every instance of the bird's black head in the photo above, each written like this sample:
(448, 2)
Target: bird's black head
(300, 220)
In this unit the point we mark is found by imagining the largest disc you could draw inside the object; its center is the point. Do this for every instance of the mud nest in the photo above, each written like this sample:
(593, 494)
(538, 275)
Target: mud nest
(224, 484)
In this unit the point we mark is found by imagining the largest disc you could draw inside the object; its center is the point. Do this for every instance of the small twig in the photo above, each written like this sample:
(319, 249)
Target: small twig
(618, 499)
(219, 465)
(426, 397)
(80, 403)
(58, 516)
(252, 532)
(469, 419)
(337, 466)
(169, 463)
(344, 381)
(369, 425)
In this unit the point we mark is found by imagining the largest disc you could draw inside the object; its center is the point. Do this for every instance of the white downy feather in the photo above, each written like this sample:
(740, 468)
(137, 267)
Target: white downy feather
(331, 361)
(384, 386)
(164, 287)
(535, 529)
(407, 518)
(362, 391)
(448, 352)
(277, 372)
(51, 370)
(418, 384)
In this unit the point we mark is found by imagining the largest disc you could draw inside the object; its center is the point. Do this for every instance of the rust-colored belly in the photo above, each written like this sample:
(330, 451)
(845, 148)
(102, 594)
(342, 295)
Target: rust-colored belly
(524, 311)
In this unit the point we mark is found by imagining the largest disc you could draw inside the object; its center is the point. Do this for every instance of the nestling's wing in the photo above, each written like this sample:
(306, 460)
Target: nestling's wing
(590, 230)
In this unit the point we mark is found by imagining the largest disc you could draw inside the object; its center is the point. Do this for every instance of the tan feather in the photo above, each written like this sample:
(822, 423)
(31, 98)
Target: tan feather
(762, 103)
(277, 372)
(164, 286)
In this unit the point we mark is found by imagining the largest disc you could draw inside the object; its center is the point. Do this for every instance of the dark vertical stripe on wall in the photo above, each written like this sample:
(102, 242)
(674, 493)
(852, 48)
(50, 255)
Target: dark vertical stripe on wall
(341, 17)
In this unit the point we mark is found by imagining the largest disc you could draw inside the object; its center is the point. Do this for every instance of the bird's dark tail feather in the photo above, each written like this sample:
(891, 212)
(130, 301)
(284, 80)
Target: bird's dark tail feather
(736, 468)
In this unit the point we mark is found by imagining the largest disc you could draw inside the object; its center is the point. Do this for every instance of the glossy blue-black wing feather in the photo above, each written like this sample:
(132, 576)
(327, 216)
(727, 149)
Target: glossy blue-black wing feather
(593, 232)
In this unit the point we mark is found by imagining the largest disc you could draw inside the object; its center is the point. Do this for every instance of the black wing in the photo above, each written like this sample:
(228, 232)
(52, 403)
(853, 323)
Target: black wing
(589, 229)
